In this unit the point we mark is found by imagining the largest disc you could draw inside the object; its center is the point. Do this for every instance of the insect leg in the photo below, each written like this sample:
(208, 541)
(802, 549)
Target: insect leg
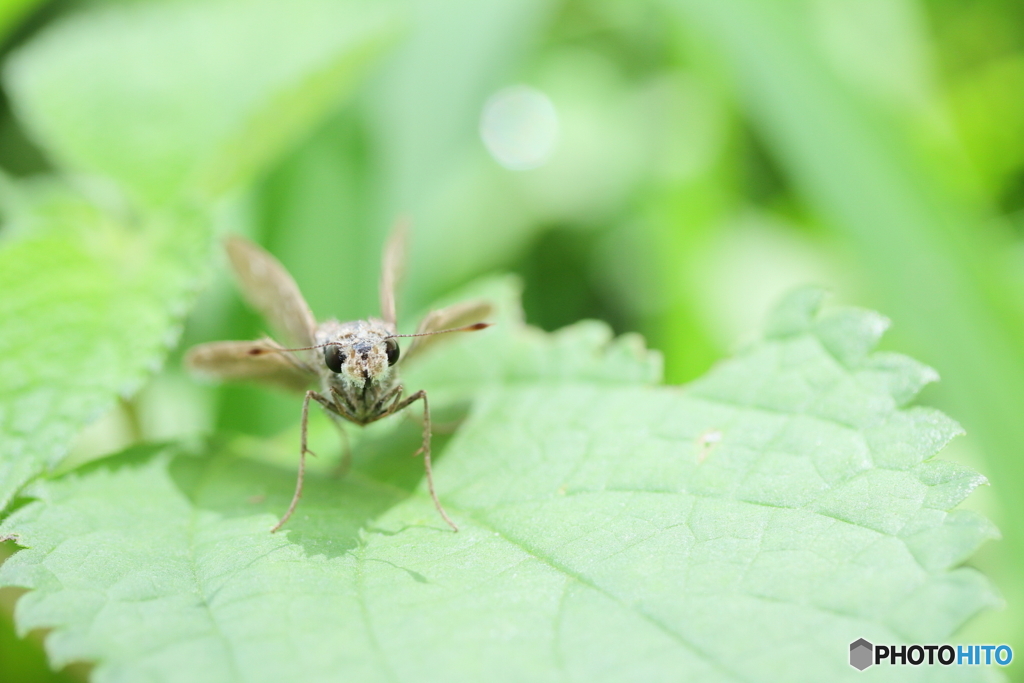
(343, 403)
(302, 455)
(425, 448)
(345, 464)
(342, 408)
(393, 395)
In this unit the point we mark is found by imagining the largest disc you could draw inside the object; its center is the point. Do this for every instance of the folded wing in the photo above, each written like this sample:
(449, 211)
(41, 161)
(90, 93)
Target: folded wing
(268, 288)
(257, 361)
(391, 270)
(456, 315)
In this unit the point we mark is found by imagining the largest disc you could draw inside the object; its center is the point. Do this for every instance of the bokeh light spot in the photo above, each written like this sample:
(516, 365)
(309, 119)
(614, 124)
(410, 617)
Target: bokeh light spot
(519, 127)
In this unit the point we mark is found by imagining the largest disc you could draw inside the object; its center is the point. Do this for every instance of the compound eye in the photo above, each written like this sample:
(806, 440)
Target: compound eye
(393, 350)
(334, 357)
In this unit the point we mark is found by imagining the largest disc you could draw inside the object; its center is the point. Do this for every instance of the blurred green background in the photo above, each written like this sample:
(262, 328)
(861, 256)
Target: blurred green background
(669, 166)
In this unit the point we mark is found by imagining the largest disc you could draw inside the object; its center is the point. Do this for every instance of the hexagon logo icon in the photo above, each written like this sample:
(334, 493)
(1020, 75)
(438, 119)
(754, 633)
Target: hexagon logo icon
(861, 654)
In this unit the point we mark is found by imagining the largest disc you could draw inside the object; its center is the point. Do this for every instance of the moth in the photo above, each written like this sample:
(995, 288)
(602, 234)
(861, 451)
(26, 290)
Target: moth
(354, 364)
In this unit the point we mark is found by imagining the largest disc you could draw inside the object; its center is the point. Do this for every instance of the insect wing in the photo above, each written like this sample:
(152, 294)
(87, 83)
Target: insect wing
(268, 288)
(257, 361)
(392, 266)
(456, 315)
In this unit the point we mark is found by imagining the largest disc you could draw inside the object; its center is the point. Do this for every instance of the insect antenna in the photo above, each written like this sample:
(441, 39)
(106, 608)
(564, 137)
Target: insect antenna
(468, 328)
(260, 350)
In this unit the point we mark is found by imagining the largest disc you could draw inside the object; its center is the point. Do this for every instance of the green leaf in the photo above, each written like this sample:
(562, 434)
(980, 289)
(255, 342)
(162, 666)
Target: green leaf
(423, 114)
(583, 352)
(894, 186)
(11, 12)
(88, 309)
(190, 97)
(746, 528)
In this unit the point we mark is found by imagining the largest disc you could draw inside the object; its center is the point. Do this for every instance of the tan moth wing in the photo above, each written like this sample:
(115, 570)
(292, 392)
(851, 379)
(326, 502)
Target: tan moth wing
(257, 361)
(268, 288)
(392, 266)
(456, 315)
